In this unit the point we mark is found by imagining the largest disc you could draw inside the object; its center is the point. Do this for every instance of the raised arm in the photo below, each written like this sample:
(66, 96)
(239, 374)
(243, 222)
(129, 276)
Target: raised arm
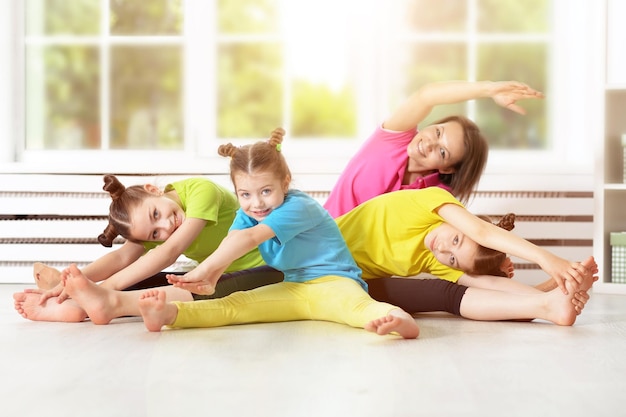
(419, 105)
(204, 277)
(491, 236)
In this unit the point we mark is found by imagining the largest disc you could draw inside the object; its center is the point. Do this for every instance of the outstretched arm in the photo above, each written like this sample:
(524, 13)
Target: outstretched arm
(158, 258)
(204, 277)
(493, 237)
(419, 105)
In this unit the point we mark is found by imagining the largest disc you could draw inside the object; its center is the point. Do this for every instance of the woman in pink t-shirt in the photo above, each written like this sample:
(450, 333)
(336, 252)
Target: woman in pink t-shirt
(451, 153)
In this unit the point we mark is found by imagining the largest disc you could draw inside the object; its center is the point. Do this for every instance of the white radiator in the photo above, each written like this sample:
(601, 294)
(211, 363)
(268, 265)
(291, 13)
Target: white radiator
(56, 219)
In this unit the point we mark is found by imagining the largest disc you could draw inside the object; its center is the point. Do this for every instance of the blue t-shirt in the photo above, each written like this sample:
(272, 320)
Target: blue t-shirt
(308, 243)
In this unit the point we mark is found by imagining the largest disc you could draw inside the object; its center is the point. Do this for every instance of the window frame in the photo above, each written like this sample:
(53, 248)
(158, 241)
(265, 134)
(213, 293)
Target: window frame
(569, 148)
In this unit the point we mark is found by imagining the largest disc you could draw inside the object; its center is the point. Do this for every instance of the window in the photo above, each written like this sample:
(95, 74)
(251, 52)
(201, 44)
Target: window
(478, 40)
(156, 85)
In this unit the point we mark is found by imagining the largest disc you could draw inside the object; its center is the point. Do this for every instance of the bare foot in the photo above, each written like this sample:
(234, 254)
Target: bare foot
(591, 266)
(562, 309)
(98, 303)
(45, 276)
(396, 321)
(27, 305)
(590, 277)
(155, 311)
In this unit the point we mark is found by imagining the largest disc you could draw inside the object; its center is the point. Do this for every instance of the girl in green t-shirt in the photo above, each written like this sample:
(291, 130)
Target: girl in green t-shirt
(189, 217)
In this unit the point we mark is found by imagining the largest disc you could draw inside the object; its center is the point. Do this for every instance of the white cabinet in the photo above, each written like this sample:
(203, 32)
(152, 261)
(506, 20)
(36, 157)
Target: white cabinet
(610, 190)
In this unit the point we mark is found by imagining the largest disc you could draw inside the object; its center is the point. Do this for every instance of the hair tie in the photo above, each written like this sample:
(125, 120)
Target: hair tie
(279, 146)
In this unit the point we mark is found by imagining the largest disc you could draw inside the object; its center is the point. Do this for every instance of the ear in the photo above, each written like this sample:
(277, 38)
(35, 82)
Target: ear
(152, 189)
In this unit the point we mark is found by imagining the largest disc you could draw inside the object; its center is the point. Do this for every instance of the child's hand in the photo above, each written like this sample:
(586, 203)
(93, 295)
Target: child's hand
(575, 273)
(195, 283)
(507, 267)
(57, 291)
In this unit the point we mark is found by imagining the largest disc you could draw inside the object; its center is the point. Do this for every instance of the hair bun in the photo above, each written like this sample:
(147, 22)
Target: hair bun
(276, 137)
(507, 222)
(113, 186)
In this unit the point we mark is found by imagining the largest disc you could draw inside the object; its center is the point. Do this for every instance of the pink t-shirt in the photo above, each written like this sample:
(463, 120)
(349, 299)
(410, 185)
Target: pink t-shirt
(377, 168)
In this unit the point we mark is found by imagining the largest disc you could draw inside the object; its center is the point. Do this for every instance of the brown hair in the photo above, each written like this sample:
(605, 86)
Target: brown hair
(124, 199)
(468, 170)
(264, 156)
(489, 261)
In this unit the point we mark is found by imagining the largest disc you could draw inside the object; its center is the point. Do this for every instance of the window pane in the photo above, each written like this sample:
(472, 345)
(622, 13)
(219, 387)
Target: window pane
(62, 97)
(323, 110)
(146, 97)
(146, 17)
(322, 66)
(432, 16)
(504, 128)
(62, 17)
(530, 16)
(250, 94)
(424, 63)
(247, 16)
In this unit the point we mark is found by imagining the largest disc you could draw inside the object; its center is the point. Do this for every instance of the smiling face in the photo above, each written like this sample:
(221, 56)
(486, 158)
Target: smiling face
(155, 219)
(451, 247)
(437, 147)
(260, 193)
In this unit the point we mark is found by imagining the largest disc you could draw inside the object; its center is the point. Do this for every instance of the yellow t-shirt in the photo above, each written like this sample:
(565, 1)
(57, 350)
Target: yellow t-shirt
(386, 234)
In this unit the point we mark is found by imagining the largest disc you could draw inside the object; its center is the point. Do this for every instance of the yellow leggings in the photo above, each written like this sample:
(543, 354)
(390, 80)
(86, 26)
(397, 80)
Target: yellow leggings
(329, 298)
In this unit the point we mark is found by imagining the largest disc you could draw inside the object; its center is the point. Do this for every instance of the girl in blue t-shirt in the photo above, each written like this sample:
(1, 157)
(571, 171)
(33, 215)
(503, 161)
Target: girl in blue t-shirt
(294, 235)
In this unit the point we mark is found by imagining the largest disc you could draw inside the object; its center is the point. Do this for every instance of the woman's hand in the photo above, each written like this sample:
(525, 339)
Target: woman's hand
(507, 93)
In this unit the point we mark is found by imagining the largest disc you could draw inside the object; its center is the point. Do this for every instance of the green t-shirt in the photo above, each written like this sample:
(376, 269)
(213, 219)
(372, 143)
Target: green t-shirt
(386, 234)
(203, 199)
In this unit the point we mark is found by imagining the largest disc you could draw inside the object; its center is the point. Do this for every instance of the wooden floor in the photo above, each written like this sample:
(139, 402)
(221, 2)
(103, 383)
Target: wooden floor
(456, 368)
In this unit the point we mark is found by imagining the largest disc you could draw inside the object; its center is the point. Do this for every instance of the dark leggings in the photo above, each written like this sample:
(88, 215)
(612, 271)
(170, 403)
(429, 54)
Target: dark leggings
(411, 295)
(418, 295)
(228, 283)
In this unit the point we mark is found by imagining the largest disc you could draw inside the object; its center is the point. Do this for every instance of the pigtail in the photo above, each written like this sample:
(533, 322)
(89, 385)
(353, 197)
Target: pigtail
(123, 200)
(115, 189)
(113, 186)
(106, 238)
